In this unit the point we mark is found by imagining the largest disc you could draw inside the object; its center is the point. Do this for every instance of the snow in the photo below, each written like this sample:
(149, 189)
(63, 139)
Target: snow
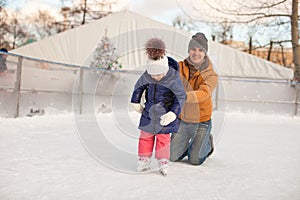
(44, 157)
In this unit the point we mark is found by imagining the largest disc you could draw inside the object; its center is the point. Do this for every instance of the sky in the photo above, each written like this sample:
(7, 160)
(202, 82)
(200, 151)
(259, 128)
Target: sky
(164, 11)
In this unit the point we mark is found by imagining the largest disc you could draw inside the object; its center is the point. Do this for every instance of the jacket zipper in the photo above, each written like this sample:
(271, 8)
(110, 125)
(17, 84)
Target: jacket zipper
(187, 87)
(154, 100)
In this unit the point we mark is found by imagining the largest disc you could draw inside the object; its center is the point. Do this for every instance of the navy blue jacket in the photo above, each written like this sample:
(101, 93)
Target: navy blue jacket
(157, 94)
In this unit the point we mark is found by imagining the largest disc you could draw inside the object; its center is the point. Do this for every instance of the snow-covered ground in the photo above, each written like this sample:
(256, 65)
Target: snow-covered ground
(256, 157)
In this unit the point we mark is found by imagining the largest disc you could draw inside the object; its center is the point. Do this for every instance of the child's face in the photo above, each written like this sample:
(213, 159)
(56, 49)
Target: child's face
(158, 77)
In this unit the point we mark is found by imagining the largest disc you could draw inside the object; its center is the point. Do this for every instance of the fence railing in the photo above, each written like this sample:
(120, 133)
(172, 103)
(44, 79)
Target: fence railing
(31, 83)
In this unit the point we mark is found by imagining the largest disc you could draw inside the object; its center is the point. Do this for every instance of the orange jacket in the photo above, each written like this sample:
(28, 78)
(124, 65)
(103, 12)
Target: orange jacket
(198, 105)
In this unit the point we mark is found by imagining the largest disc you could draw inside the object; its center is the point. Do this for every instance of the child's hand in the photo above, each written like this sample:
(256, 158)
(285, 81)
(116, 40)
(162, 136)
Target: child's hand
(167, 118)
(137, 107)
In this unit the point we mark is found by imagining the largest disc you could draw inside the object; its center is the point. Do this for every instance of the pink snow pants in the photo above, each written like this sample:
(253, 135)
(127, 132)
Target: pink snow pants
(162, 146)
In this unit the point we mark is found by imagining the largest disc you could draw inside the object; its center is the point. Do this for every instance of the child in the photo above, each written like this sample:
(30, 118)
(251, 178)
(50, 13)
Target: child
(158, 120)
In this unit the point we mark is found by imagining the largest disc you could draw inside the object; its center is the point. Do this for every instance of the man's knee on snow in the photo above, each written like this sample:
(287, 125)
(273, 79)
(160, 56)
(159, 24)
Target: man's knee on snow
(197, 161)
(174, 157)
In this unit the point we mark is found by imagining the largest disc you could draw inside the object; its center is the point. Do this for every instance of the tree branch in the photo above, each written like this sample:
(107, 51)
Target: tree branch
(236, 13)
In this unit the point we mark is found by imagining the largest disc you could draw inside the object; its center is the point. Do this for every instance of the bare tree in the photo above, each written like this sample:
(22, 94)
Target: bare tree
(12, 31)
(4, 27)
(17, 31)
(100, 8)
(295, 38)
(84, 11)
(184, 23)
(223, 31)
(66, 23)
(43, 24)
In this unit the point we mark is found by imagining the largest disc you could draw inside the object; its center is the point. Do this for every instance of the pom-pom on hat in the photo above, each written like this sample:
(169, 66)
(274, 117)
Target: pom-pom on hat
(157, 62)
(199, 41)
(155, 48)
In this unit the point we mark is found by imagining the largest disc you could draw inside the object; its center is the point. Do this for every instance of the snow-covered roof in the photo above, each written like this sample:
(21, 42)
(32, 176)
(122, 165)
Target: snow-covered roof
(129, 32)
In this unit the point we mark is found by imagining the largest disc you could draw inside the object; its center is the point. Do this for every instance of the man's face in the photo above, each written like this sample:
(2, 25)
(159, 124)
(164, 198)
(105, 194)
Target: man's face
(197, 55)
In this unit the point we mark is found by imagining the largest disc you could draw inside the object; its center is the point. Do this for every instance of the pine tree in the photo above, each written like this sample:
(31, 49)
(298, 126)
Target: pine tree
(105, 55)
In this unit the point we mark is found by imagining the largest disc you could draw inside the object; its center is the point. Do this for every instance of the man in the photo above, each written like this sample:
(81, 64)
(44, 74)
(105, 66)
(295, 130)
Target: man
(3, 57)
(193, 138)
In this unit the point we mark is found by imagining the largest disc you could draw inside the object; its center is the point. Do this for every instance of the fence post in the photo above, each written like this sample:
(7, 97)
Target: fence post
(17, 89)
(297, 88)
(80, 89)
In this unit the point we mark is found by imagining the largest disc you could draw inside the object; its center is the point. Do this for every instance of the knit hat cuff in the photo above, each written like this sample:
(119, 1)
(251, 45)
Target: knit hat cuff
(195, 44)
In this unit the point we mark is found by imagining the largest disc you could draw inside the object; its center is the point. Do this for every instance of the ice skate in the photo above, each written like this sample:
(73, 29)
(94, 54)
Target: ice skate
(163, 166)
(143, 164)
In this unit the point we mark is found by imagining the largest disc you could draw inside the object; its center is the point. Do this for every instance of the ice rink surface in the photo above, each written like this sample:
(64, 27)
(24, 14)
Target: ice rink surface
(256, 157)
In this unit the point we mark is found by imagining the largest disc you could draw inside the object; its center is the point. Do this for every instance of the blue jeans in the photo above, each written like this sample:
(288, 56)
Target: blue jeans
(192, 140)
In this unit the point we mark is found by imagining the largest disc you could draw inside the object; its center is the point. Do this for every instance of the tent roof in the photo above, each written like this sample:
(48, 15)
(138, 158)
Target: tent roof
(129, 31)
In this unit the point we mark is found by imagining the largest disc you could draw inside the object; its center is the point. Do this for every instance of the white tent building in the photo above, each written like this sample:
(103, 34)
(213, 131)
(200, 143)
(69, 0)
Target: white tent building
(129, 32)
